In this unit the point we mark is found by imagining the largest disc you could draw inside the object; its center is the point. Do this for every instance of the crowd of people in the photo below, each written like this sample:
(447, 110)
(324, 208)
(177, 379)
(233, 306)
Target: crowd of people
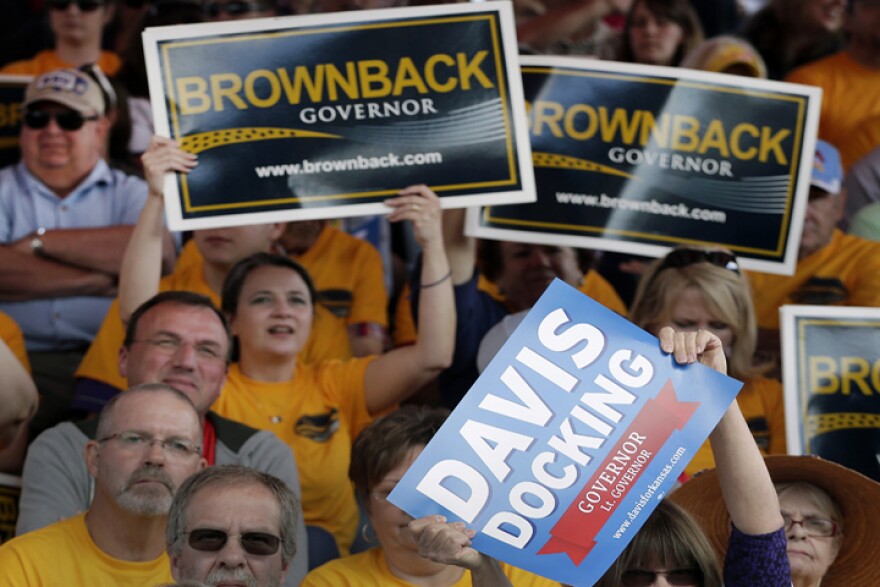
(233, 406)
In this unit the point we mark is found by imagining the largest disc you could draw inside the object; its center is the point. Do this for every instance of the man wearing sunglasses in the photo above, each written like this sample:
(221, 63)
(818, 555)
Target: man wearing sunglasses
(65, 219)
(212, 539)
(78, 27)
(148, 443)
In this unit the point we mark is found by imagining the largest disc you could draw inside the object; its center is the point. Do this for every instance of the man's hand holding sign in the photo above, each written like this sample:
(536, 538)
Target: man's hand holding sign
(573, 435)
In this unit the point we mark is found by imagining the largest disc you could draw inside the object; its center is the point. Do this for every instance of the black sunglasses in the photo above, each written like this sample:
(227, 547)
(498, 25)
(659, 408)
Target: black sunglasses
(84, 5)
(66, 119)
(234, 8)
(678, 577)
(685, 257)
(257, 543)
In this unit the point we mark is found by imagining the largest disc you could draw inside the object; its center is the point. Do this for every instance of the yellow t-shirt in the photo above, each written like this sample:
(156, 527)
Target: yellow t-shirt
(101, 361)
(318, 415)
(11, 334)
(370, 568)
(48, 60)
(761, 403)
(64, 554)
(852, 260)
(349, 279)
(850, 97)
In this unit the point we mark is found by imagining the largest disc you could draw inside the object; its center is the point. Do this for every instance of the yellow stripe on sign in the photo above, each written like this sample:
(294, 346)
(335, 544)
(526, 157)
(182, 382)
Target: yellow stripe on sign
(220, 138)
(557, 161)
(822, 423)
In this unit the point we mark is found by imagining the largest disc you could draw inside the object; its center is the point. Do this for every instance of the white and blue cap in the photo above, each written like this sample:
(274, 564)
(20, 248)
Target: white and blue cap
(827, 169)
(68, 87)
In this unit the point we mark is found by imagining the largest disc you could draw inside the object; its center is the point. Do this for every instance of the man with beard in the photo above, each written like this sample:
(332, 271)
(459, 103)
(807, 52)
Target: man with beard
(212, 540)
(148, 443)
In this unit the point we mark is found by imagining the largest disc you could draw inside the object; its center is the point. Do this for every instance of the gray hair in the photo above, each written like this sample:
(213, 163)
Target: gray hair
(223, 476)
(105, 418)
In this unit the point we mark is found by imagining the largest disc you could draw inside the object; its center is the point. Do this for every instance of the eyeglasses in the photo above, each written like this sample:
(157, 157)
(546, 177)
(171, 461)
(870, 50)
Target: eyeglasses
(169, 345)
(816, 527)
(70, 120)
(84, 5)
(234, 8)
(685, 257)
(677, 577)
(174, 447)
(257, 543)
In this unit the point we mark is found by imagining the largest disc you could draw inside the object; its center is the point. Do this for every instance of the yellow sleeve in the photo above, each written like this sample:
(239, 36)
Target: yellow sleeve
(598, 288)
(101, 361)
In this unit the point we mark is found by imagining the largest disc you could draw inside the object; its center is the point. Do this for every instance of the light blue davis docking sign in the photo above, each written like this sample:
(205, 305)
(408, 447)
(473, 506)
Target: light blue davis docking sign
(567, 441)
(331, 111)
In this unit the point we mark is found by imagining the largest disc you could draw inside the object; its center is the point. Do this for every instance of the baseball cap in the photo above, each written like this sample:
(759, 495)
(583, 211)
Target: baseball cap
(68, 87)
(827, 169)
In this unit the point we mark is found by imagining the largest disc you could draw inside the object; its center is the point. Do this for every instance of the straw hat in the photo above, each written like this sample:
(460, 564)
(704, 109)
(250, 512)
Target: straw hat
(857, 564)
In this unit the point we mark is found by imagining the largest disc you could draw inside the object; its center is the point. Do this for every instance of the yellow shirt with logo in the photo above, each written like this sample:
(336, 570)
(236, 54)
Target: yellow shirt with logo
(64, 554)
(370, 568)
(318, 415)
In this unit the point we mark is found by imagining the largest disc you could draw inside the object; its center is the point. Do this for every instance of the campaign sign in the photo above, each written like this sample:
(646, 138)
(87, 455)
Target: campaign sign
(11, 97)
(831, 378)
(639, 159)
(327, 115)
(568, 440)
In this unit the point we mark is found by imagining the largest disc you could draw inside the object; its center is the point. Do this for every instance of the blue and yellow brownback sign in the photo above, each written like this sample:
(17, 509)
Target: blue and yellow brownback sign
(327, 115)
(639, 159)
(831, 362)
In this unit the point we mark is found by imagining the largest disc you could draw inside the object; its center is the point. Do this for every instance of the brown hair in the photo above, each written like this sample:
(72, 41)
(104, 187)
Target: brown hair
(672, 539)
(678, 11)
(383, 445)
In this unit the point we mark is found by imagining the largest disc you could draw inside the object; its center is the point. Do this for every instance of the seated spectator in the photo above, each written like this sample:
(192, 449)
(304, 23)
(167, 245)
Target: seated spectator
(78, 26)
(516, 274)
(212, 539)
(315, 408)
(179, 339)
(148, 442)
(850, 81)
(215, 251)
(829, 511)
(702, 289)
(65, 218)
(660, 32)
(381, 456)
(352, 298)
(791, 33)
(833, 268)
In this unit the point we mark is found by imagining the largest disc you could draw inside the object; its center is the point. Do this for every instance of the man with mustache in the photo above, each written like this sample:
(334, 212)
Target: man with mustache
(148, 442)
(180, 339)
(212, 540)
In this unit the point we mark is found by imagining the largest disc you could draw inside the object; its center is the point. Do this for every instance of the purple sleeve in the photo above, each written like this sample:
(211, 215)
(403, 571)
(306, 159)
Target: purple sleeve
(757, 560)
